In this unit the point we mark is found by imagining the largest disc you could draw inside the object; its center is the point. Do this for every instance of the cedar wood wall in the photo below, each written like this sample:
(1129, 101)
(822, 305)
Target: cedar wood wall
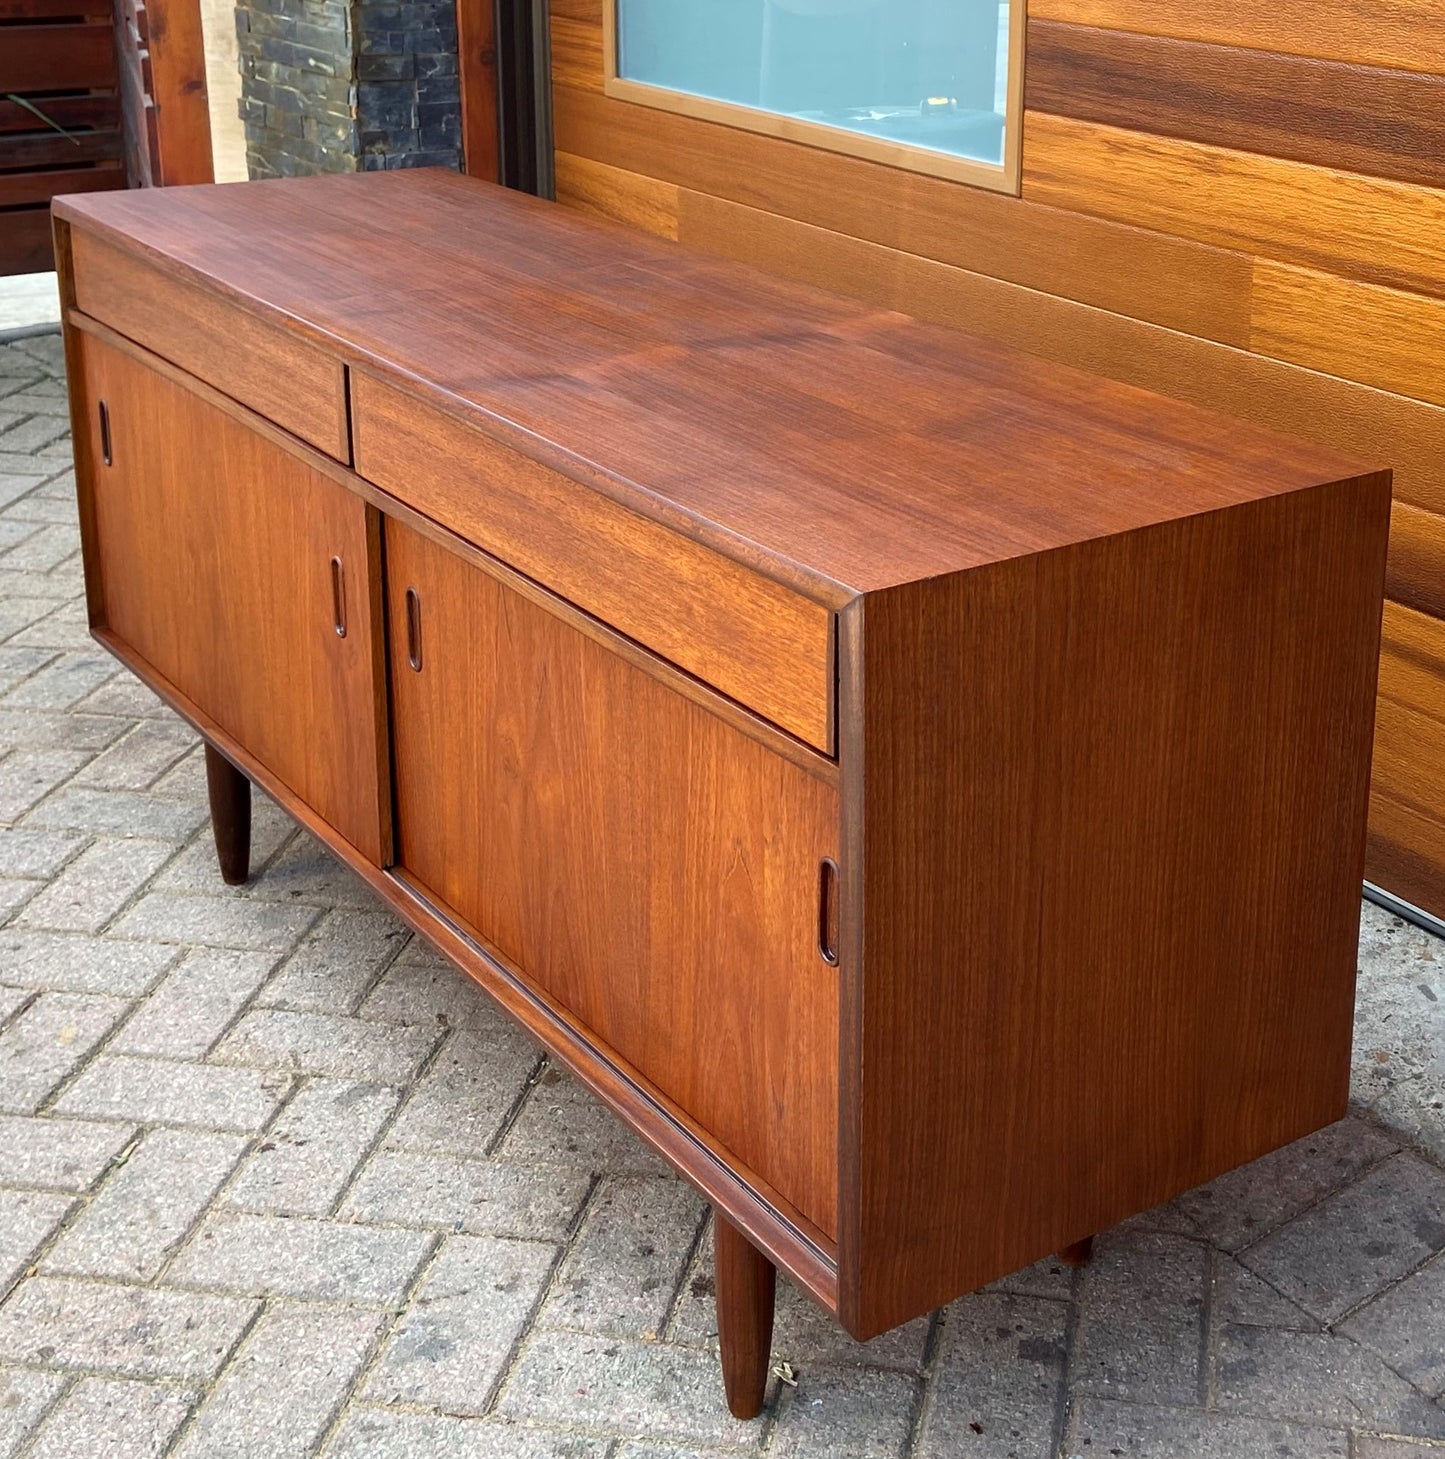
(1240, 204)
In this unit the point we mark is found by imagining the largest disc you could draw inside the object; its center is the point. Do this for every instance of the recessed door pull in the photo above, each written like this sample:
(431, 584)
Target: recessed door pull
(105, 454)
(413, 629)
(338, 596)
(828, 912)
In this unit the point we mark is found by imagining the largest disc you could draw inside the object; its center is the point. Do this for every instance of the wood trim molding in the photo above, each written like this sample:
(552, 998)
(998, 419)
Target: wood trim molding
(477, 62)
(1005, 177)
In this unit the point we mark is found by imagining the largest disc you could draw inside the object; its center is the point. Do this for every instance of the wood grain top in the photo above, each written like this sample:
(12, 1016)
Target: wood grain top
(836, 446)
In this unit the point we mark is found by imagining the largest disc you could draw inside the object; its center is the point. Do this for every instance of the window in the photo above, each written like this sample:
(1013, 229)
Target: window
(930, 85)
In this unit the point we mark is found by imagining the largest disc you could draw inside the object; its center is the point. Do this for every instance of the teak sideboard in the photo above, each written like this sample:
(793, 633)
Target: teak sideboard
(921, 789)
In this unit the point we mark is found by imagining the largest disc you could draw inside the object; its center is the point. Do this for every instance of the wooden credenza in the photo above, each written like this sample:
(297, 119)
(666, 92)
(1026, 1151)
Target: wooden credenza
(921, 789)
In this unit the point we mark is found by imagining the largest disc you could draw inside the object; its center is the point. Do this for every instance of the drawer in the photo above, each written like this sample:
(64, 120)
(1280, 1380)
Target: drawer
(753, 639)
(296, 384)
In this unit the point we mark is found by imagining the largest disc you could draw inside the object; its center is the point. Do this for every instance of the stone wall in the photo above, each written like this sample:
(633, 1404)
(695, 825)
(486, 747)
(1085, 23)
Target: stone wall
(348, 85)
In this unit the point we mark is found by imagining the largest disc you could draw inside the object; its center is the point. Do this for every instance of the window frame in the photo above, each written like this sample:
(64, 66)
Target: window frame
(1002, 177)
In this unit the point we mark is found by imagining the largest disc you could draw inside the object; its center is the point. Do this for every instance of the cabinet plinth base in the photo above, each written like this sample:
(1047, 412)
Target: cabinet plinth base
(1079, 1253)
(746, 1283)
(230, 796)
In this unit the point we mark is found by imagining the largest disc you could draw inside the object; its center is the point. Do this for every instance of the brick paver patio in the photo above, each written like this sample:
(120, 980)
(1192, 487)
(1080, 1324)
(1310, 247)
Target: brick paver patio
(274, 1181)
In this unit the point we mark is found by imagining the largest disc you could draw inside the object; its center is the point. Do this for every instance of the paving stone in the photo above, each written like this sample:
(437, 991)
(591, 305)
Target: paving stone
(1244, 1298)
(1317, 1377)
(281, 1390)
(196, 1002)
(61, 628)
(1104, 1427)
(41, 1047)
(18, 663)
(18, 614)
(309, 1154)
(1370, 1447)
(421, 988)
(45, 549)
(126, 696)
(119, 812)
(53, 1154)
(24, 1397)
(331, 971)
(97, 884)
(647, 1449)
(635, 1389)
(146, 1206)
(27, 776)
(451, 1345)
(159, 1092)
(370, 1433)
(317, 1043)
(1405, 1325)
(482, 1197)
(63, 963)
(141, 1331)
(15, 893)
(12, 1000)
(36, 853)
(1141, 1331)
(627, 1261)
(1360, 1240)
(39, 729)
(27, 1219)
(13, 532)
(561, 1124)
(858, 1412)
(1247, 1204)
(999, 1373)
(112, 1418)
(472, 1085)
(141, 758)
(276, 1256)
(71, 678)
(215, 921)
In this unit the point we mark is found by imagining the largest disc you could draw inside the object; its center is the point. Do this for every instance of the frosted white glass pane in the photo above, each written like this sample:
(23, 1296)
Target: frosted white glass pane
(928, 73)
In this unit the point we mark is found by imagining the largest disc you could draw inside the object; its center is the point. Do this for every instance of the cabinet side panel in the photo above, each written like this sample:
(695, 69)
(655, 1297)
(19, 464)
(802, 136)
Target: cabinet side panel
(1111, 841)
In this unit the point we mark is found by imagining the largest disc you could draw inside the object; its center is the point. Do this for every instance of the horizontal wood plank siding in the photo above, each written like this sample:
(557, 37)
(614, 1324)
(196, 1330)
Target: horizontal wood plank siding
(1240, 205)
(1363, 227)
(1387, 123)
(1403, 33)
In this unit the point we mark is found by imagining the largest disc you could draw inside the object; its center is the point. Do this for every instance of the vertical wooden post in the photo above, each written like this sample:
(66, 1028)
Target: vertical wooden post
(477, 66)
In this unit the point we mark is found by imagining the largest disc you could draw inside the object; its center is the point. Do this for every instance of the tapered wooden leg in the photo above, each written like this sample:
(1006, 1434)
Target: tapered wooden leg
(1079, 1253)
(746, 1281)
(230, 794)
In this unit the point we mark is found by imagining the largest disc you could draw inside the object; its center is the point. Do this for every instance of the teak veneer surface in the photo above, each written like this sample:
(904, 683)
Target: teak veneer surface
(209, 552)
(834, 445)
(653, 869)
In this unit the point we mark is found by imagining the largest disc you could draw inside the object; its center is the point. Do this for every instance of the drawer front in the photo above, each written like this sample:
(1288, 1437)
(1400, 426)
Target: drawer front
(297, 385)
(652, 869)
(755, 640)
(232, 568)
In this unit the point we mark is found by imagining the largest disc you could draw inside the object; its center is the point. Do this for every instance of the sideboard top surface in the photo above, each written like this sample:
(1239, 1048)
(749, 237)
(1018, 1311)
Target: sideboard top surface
(815, 436)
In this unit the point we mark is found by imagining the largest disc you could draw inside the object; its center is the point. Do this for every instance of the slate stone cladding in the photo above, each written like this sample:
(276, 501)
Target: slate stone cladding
(337, 86)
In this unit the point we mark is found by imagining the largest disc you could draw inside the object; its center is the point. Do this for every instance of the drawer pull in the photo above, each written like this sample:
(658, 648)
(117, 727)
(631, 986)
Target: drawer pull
(105, 452)
(413, 629)
(338, 596)
(828, 912)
